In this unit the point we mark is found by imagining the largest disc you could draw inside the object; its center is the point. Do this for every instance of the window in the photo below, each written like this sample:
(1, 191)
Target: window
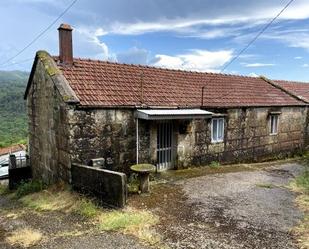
(217, 130)
(274, 124)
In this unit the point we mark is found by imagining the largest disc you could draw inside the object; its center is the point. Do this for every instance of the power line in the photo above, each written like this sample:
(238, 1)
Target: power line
(257, 36)
(40, 34)
(16, 63)
(249, 44)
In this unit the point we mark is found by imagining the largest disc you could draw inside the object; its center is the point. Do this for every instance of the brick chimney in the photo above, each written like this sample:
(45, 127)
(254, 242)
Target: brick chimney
(65, 44)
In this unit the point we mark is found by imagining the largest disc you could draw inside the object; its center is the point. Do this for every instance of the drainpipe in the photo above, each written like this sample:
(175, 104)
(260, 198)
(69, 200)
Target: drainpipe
(137, 141)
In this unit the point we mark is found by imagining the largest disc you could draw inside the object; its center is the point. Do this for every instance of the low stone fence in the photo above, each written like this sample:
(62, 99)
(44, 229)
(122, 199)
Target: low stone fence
(109, 186)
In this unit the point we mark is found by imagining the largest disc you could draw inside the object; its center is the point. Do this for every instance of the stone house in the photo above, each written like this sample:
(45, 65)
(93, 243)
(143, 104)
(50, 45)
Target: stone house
(80, 109)
(18, 150)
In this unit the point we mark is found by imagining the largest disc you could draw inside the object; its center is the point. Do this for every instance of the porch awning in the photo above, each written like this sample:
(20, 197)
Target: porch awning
(165, 114)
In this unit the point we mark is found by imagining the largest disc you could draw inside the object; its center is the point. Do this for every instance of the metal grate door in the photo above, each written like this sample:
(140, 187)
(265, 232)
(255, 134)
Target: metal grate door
(164, 145)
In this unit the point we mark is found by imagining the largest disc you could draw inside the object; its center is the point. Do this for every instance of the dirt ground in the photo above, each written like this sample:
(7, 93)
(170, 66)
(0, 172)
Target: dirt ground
(230, 207)
(247, 209)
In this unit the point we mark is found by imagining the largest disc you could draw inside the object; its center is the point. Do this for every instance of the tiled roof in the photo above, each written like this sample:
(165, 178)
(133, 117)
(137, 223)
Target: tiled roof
(12, 149)
(100, 83)
(300, 89)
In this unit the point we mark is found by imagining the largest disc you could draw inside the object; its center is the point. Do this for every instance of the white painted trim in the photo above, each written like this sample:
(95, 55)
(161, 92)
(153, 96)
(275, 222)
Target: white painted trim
(169, 114)
(137, 142)
(211, 132)
(277, 128)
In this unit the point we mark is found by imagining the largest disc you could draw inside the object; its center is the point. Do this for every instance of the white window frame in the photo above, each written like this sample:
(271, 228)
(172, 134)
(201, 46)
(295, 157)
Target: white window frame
(272, 123)
(217, 140)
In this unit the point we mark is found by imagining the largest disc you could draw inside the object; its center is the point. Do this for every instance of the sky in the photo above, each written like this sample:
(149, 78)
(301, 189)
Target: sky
(196, 35)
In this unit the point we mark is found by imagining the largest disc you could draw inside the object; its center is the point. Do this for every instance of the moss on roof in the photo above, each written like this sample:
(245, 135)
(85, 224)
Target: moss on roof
(48, 63)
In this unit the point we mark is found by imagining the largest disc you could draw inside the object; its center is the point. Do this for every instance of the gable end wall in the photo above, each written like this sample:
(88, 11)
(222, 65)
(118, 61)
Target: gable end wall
(48, 129)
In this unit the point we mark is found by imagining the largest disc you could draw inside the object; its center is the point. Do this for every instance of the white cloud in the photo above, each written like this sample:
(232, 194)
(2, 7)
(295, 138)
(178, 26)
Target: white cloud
(133, 55)
(298, 57)
(195, 60)
(297, 38)
(253, 75)
(183, 16)
(259, 64)
(206, 19)
(87, 44)
(305, 65)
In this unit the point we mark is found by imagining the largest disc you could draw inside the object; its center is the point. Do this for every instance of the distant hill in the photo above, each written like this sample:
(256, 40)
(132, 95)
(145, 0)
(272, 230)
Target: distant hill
(13, 118)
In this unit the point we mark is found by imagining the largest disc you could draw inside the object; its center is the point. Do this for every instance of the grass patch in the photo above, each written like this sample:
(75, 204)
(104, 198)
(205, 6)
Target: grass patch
(29, 187)
(4, 190)
(55, 199)
(302, 232)
(125, 220)
(265, 185)
(214, 165)
(133, 222)
(86, 208)
(50, 201)
(25, 237)
(303, 182)
(301, 185)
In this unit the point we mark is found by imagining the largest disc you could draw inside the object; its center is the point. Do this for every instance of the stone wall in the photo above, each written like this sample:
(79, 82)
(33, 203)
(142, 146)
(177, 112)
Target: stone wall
(247, 137)
(111, 134)
(48, 128)
(60, 133)
(103, 133)
(109, 187)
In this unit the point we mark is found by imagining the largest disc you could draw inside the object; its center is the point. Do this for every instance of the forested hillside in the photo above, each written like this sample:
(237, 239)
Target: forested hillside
(13, 120)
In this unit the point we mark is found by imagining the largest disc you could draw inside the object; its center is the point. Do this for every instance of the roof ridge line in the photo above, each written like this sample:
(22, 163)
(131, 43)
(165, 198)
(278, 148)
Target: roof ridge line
(292, 81)
(158, 68)
(273, 83)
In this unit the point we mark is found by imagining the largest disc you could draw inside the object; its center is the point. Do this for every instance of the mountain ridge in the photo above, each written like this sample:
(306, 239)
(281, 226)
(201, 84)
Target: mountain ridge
(13, 117)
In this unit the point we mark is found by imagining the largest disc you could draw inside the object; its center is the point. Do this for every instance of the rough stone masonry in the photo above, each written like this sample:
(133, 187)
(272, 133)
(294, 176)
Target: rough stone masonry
(72, 126)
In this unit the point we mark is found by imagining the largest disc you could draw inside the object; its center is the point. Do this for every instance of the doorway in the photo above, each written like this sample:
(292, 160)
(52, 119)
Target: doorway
(164, 145)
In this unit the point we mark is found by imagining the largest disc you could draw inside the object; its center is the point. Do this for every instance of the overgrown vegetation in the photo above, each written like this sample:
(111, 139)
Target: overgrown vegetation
(13, 119)
(29, 187)
(125, 220)
(87, 208)
(214, 165)
(59, 198)
(3, 189)
(133, 222)
(133, 184)
(301, 185)
(302, 182)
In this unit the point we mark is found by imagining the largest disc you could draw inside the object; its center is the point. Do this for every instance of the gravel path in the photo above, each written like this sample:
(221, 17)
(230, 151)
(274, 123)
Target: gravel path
(241, 210)
(247, 209)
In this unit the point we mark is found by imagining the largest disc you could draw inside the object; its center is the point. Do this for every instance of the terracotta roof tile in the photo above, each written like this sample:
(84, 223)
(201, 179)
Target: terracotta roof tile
(101, 83)
(300, 89)
(12, 149)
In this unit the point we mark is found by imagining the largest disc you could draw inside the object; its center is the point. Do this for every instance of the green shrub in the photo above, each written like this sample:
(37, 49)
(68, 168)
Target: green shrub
(214, 165)
(29, 187)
